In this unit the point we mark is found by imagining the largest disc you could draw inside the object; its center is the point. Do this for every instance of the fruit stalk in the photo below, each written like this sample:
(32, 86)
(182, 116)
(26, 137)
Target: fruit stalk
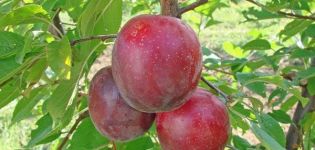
(169, 7)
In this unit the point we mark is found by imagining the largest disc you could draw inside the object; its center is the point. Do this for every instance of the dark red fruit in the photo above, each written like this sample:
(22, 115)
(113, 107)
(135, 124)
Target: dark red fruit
(200, 124)
(110, 114)
(156, 62)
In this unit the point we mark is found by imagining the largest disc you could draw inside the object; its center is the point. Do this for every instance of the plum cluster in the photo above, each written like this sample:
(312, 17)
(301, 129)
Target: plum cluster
(156, 66)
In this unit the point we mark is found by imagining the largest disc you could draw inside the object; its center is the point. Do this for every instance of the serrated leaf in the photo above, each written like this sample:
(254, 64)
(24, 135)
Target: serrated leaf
(294, 27)
(257, 87)
(265, 138)
(280, 116)
(289, 103)
(24, 107)
(31, 13)
(43, 131)
(9, 67)
(87, 137)
(258, 44)
(10, 44)
(57, 103)
(306, 74)
(26, 48)
(237, 121)
(272, 127)
(36, 71)
(9, 92)
(59, 57)
(253, 14)
(208, 8)
(303, 53)
(240, 143)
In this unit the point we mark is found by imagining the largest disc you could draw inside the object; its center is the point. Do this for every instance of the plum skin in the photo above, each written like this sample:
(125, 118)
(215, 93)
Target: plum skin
(111, 116)
(156, 62)
(200, 124)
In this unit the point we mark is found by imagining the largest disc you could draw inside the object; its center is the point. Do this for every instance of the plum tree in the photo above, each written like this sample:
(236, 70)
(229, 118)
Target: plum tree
(200, 124)
(110, 114)
(156, 62)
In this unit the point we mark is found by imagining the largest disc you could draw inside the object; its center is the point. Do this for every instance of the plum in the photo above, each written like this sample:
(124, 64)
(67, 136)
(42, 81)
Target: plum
(110, 114)
(156, 62)
(200, 124)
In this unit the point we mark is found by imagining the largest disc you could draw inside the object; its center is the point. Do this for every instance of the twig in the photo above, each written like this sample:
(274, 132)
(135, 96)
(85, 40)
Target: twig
(292, 15)
(56, 28)
(226, 97)
(74, 126)
(96, 37)
(192, 6)
(114, 145)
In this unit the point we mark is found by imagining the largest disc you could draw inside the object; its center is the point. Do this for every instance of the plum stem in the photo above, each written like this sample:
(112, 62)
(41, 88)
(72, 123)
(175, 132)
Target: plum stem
(225, 96)
(114, 145)
(95, 37)
(190, 7)
(169, 7)
(72, 129)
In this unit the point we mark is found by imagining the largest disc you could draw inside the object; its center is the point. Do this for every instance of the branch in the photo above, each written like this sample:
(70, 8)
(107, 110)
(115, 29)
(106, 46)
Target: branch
(96, 37)
(292, 15)
(74, 126)
(226, 97)
(192, 6)
(295, 133)
(169, 8)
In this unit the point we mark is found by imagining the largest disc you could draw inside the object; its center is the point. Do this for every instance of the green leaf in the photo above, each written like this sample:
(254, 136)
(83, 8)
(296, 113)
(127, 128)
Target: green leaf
(303, 53)
(310, 31)
(57, 103)
(237, 121)
(289, 103)
(253, 14)
(87, 137)
(307, 121)
(10, 44)
(141, 143)
(9, 92)
(24, 107)
(272, 127)
(43, 132)
(208, 8)
(9, 67)
(36, 71)
(101, 17)
(27, 14)
(311, 86)
(59, 57)
(294, 27)
(265, 138)
(306, 74)
(236, 52)
(26, 48)
(258, 44)
(257, 87)
(240, 143)
(280, 116)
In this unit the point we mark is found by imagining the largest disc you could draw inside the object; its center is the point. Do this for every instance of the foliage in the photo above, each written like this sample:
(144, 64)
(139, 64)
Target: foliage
(266, 75)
